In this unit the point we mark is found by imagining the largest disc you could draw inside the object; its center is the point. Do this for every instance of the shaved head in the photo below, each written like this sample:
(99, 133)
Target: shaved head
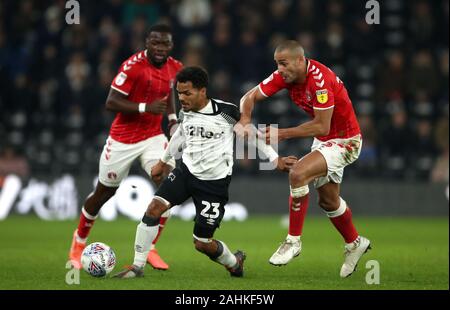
(291, 46)
(291, 61)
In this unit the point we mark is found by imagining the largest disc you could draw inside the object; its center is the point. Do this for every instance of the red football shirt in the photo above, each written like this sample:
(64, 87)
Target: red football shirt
(141, 81)
(321, 90)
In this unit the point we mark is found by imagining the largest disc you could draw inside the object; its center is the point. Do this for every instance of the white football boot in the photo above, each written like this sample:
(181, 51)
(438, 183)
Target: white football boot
(286, 252)
(353, 252)
(129, 272)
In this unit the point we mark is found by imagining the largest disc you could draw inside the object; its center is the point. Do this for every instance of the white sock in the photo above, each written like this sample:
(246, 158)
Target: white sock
(226, 258)
(293, 238)
(144, 238)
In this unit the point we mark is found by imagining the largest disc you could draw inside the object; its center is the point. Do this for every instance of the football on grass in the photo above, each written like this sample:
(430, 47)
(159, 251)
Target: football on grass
(98, 259)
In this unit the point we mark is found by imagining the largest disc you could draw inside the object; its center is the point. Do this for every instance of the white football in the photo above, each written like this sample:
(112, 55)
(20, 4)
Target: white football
(98, 259)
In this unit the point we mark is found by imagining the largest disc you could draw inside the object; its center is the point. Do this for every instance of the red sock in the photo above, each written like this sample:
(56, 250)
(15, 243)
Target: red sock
(85, 224)
(297, 215)
(162, 222)
(344, 225)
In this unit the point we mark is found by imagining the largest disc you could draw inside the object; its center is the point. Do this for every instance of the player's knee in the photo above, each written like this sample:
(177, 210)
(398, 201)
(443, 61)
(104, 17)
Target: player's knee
(100, 196)
(157, 207)
(328, 204)
(298, 177)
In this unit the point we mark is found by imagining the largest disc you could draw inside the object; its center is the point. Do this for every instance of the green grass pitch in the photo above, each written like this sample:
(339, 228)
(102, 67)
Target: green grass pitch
(412, 254)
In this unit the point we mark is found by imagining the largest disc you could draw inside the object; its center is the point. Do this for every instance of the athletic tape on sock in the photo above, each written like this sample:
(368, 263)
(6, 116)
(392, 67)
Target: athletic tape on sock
(341, 210)
(299, 191)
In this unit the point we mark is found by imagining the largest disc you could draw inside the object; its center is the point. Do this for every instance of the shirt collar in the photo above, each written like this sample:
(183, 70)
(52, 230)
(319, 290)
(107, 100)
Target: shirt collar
(207, 108)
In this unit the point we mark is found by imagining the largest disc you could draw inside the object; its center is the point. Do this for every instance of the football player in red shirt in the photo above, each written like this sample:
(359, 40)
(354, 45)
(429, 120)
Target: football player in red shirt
(337, 143)
(139, 95)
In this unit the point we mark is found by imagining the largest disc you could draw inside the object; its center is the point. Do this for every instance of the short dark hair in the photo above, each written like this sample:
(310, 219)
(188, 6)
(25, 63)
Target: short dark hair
(290, 45)
(196, 75)
(164, 28)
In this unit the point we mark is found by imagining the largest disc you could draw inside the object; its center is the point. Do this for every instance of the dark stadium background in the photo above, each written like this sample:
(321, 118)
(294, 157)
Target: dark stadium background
(54, 79)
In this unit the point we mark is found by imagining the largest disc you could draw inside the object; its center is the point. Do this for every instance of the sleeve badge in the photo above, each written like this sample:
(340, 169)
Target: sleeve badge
(322, 96)
(120, 79)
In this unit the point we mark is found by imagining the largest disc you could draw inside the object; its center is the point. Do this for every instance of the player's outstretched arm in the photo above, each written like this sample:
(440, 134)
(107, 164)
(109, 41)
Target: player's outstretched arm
(246, 107)
(117, 102)
(280, 163)
(317, 127)
(171, 110)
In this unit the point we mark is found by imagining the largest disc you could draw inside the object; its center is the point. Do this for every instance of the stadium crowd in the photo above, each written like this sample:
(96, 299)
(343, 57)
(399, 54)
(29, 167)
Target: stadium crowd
(55, 77)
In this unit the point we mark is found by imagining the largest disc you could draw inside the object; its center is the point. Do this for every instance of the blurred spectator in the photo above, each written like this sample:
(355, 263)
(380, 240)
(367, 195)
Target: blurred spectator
(12, 163)
(305, 16)
(422, 107)
(279, 15)
(333, 45)
(76, 83)
(422, 24)
(367, 160)
(444, 65)
(440, 172)
(194, 13)
(424, 149)
(133, 9)
(423, 74)
(397, 142)
(440, 169)
(251, 61)
(222, 45)
(393, 77)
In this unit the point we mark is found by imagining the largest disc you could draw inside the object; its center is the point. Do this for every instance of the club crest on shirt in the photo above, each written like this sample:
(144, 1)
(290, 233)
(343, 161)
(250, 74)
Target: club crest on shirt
(322, 96)
(121, 78)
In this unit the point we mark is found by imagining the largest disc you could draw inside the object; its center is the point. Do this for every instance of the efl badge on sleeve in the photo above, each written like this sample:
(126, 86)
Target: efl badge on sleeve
(121, 78)
(322, 96)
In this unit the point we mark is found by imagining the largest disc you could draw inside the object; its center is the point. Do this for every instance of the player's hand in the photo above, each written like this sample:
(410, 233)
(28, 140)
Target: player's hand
(271, 135)
(286, 163)
(157, 107)
(244, 128)
(157, 171)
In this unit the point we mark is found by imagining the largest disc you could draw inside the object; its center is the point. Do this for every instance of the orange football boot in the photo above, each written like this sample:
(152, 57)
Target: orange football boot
(76, 249)
(156, 261)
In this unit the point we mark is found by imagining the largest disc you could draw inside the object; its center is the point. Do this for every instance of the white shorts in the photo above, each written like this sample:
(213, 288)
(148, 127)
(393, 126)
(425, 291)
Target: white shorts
(338, 154)
(117, 157)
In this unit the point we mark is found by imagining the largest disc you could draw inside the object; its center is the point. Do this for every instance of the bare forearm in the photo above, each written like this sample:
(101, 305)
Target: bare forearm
(171, 108)
(247, 105)
(308, 129)
(122, 105)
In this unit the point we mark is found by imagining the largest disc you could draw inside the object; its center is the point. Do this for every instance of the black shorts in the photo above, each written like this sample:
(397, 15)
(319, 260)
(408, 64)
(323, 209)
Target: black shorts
(209, 198)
